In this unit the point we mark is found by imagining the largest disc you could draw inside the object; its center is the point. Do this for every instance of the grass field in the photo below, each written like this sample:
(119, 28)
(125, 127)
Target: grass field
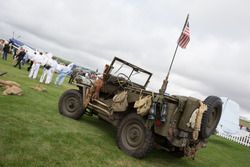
(33, 133)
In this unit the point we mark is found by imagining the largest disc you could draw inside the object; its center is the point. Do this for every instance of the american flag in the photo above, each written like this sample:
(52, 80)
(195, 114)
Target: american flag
(185, 37)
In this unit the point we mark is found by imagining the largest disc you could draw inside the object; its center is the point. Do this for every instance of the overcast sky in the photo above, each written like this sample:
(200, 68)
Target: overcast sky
(144, 32)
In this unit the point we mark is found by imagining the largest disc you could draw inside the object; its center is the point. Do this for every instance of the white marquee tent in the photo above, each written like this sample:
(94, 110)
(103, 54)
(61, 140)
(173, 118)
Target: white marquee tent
(229, 122)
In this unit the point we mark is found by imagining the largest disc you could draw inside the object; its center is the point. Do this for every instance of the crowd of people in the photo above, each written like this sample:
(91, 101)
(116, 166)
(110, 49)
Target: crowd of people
(36, 60)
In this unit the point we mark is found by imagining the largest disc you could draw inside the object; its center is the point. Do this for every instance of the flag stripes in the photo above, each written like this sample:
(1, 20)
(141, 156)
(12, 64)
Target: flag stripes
(185, 37)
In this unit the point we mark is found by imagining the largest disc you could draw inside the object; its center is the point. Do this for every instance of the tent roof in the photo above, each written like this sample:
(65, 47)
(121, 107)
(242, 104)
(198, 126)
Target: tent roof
(18, 43)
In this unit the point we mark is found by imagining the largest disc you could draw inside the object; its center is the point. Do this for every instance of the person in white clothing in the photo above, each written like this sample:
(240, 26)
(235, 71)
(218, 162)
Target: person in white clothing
(47, 61)
(51, 71)
(37, 61)
(30, 55)
(32, 59)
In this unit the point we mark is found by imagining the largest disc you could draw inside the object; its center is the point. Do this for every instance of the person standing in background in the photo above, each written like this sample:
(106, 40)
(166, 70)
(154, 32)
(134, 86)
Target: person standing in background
(6, 49)
(46, 66)
(63, 73)
(14, 51)
(20, 57)
(30, 56)
(37, 61)
(51, 71)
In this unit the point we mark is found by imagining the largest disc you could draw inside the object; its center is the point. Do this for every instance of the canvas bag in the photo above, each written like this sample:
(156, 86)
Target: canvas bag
(120, 102)
(143, 105)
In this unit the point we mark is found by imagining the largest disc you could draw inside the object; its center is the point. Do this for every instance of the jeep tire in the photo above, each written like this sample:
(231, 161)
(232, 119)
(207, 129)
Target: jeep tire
(71, 104)
(133, 137)
(211, 117)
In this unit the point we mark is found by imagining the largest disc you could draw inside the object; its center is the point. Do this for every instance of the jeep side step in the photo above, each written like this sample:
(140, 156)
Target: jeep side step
(101, 103)
(99, 109)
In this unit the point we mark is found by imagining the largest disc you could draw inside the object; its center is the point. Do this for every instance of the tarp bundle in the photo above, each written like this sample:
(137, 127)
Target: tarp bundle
(11, 88)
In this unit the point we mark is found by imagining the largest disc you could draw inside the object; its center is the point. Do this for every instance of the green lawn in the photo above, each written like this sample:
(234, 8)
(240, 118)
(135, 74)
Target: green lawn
(33, 133)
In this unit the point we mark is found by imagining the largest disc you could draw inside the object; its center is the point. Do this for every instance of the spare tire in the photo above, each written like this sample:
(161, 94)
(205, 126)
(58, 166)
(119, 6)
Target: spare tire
(71, 104)
(211, 117)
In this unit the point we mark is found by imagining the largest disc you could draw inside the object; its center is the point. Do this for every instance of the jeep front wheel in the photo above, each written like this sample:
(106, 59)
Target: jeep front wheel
(133, 137)
(71, 104)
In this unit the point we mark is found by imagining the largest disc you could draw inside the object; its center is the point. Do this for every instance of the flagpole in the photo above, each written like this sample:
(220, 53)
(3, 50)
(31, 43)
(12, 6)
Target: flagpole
(165, 81)
(185, 22)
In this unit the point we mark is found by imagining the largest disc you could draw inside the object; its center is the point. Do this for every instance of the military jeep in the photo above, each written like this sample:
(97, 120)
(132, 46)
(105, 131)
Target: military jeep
(144, 119)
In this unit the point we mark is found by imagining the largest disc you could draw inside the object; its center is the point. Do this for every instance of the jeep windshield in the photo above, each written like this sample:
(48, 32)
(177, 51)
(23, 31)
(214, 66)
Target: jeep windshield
(136, 75)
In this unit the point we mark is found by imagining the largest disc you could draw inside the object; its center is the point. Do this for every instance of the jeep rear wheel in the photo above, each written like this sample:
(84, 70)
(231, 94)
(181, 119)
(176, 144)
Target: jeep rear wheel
(133, 137)
(71, 104)
(211, 117)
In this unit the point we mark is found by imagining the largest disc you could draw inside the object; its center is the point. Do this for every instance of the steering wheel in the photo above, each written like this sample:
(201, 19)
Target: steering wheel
(123, 80)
